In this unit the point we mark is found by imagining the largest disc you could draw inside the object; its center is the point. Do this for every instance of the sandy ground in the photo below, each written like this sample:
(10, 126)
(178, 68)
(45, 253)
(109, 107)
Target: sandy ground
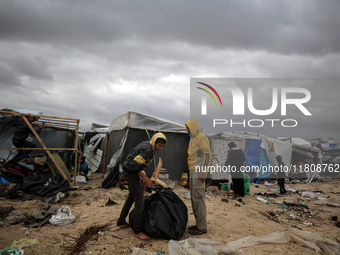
(226, 221)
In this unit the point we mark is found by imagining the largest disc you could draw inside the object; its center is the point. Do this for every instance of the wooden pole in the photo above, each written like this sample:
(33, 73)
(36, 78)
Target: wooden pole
(44, 147)
(76, 156)
(105, 152)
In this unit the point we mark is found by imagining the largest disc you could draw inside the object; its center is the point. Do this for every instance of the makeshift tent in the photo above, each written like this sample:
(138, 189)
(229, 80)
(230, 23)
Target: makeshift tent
(260, 152)
(59, 133)
(303, 151)
(131, 128)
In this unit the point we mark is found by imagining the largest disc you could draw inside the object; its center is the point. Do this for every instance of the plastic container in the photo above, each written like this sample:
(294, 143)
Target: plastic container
(184, 179)
(246, 180)
(262, 200)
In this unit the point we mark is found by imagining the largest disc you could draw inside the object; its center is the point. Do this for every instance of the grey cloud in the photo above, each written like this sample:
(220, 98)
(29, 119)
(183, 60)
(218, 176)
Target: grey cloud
(8, 76)
(303, 27)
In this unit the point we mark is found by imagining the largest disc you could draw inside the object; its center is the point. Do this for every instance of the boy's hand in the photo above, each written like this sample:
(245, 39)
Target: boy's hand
(148, 182)
(202, 177)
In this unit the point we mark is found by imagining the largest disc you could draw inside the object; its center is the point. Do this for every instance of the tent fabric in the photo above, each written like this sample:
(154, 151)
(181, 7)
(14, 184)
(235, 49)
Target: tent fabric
(264, 161)
(137, 120)
(259, 149)
(37, 185)
(252, 152)
(132, 128)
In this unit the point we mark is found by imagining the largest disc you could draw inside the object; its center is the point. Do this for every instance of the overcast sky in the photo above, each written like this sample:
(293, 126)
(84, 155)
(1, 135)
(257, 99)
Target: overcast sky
(94, 60)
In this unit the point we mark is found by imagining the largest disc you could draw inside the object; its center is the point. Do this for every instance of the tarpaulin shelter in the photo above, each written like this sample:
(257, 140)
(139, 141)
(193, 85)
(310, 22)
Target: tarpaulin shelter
(260, 152)
(131, 128)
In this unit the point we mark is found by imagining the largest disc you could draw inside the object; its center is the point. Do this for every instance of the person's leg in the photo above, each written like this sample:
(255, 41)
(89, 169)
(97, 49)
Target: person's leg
(27, 144)
(281, 183)
(129, 200)
(197, 192)
(18, 144)
(125, 210)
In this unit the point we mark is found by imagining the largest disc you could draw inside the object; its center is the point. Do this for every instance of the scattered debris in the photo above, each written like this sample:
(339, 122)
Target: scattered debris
(88, 235)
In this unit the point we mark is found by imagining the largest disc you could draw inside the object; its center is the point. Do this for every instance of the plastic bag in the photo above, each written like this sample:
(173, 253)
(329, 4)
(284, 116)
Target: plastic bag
(164, 215)
(62, 217)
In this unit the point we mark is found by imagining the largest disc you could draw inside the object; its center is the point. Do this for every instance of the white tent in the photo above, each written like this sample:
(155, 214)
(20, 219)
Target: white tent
(260, 152)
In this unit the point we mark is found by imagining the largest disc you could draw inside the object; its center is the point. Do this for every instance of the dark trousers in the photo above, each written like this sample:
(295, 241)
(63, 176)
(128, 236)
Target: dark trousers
(23, 144)
(238, 186)
(135, 196)
(281, 183)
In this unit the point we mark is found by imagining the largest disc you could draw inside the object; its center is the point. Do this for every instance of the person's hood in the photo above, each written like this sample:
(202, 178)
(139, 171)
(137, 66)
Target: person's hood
(232, 145)
(194, 126)
(279, 158)
(155, 137)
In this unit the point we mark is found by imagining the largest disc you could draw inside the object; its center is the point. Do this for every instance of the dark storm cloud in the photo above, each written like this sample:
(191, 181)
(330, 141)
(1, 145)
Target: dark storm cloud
(94, 60)
(303, 27)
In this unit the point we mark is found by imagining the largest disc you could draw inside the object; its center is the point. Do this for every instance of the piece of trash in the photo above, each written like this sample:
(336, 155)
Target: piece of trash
(62, 217)
(88, 203)
(101, 233)
(292, 216)
(84, 216)
(11, 251)
(262, 200)
(24, 243)
(294, 226)
(238, 204)
(117, 236)
(334, 218)
(304, 205)
(308, 224)
(225, 200)
(110, 202)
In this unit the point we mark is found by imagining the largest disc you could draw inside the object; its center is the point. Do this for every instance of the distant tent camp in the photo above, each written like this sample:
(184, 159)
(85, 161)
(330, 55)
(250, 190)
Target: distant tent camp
(260, 152)
(129, 129)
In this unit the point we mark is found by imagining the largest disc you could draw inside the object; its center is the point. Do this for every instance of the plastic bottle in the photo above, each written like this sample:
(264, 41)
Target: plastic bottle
(304, 205)
(262, 200)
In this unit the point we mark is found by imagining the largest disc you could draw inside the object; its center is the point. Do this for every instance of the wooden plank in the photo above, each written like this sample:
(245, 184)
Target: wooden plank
(44, 146)
(62, 165)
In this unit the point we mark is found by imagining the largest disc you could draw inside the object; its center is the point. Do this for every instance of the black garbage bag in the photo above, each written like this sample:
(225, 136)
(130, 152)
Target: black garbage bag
(164, 216)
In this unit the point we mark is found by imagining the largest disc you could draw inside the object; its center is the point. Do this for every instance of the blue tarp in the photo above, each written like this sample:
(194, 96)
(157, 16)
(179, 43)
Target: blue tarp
(265, 165)
(252, 152)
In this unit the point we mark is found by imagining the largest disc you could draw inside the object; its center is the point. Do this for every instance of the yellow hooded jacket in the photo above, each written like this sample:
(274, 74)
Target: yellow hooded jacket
(199, 146)
(141, 156)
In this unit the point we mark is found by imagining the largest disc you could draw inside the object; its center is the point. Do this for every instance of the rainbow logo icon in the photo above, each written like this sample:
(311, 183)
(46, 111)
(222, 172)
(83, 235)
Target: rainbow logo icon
(212, 89)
